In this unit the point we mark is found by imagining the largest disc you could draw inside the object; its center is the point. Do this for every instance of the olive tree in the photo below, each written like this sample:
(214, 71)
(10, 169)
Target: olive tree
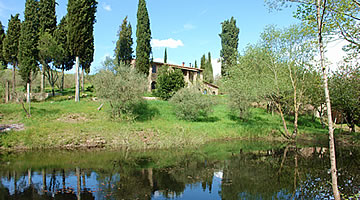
(122, 86)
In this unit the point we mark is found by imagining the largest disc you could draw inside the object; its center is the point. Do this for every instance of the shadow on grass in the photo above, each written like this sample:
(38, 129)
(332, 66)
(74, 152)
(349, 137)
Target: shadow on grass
(145, 112)
(207, 119)
(44, 112)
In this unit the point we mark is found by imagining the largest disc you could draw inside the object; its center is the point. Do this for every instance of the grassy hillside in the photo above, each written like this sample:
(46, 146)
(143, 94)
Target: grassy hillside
(62, 123)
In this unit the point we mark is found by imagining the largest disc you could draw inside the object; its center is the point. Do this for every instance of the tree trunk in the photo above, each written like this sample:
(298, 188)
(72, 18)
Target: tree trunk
(328, 104)
(13, 83)
(296, 110)
(62, 79)
(7, 92)
(28, 99)
(82, 79)
(77, 80)
(28, 93)
(42, 83)
(283, 120)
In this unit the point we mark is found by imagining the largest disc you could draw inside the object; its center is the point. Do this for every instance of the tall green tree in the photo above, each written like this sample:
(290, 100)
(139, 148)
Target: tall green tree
(315, 16)
(196, 65)
(229, 43)
(123, 50)
(143, 38)
(3, 62)
(345, 94)
(80, 24)
(11, 45)
(49, 51)
(209, 69)
(165, 56)
(47, 24)
(47, 17)
(205, 64)
(64, 62)
(28, 43)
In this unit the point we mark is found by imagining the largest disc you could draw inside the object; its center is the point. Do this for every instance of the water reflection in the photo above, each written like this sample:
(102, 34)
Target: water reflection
(223, 171)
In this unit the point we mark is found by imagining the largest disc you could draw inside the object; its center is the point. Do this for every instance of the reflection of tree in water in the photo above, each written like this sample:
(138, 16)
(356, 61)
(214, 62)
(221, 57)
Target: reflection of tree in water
(300, 173)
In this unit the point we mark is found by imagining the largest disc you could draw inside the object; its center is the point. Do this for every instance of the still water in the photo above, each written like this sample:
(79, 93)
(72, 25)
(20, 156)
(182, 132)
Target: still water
(231, 170)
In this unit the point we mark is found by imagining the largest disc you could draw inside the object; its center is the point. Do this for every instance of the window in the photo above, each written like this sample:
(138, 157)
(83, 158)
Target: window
(205, 91)
(154, 69)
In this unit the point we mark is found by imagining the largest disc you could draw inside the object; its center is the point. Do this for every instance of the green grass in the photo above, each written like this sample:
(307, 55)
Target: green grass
(61, 123)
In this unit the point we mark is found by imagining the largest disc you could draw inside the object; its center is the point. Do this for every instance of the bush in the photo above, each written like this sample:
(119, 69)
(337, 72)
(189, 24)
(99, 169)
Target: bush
(190, 104)
(169, 82)
(123, 87)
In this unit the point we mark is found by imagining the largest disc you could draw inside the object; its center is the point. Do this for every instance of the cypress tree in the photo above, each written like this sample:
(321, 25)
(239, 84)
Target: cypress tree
(11, 44)
(123, 50)
(143, 37)
(64, 62)
(28, 43)
(28, 52)
(196, 64)
(229, 43)
(47, 23)
(3, 62)
(165, 56)
(47, 17)
(80, 25)
(209, 70)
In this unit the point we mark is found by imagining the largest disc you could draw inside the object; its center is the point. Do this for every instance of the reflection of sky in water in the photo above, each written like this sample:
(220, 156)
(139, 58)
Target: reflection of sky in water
(242, 176)
(192, 191)
(195, 191)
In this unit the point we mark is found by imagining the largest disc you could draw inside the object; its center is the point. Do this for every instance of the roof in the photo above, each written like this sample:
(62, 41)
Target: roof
(179, 66)
(172, 65)
(212, 85)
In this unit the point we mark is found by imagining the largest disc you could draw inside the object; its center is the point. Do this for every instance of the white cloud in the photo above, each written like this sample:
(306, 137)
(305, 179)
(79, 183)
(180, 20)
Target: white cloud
(334, 53)
(189, 26)
(170, 43)
(106, 7)
(216, 64)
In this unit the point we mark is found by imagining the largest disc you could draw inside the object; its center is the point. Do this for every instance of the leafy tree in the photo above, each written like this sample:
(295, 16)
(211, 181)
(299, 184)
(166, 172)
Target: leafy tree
(49, 51)
(65, 61)
(190, 104)
(28, 42)
(345, 94)
(123, 50)
(169, 82)
(165, 56)
(143, 38)
(229, 43)
(11, 44)
(314, 17)
(122, 86)
(275, 70)
(80, 24)
(47, 24)
(3, 62)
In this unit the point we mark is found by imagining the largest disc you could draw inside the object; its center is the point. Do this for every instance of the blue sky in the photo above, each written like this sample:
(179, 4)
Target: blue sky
(190, 28)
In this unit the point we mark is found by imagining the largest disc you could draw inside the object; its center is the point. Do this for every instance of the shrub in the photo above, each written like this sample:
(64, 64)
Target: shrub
(190, 104)
(169, 82)
(123, 87)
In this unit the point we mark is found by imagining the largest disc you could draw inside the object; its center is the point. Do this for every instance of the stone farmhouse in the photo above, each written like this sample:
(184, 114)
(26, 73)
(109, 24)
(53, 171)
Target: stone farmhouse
(192, 76)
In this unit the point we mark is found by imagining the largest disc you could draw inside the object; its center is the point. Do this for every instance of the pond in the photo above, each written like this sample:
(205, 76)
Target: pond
(228, 170)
